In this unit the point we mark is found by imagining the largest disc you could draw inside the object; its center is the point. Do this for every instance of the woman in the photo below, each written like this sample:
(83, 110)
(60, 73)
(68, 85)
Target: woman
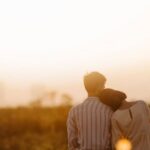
(131, 120)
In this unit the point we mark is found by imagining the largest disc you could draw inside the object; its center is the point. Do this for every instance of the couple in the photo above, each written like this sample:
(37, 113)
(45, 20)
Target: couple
(105, 117)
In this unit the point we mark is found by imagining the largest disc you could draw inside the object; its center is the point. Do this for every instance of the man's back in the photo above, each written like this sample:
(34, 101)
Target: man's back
(89, 125)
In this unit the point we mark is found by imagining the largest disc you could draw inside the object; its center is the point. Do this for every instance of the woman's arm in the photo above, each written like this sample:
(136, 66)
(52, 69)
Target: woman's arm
(148, 111)
(116, 133)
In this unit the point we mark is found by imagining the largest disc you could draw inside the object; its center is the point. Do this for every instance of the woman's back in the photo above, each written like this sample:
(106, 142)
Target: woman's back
(132, 123)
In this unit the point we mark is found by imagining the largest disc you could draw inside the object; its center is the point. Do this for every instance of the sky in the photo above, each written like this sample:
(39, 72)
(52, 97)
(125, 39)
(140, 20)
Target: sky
(55, 43)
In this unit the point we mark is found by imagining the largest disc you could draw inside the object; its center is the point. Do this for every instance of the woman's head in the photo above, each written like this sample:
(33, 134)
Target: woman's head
(112, 98)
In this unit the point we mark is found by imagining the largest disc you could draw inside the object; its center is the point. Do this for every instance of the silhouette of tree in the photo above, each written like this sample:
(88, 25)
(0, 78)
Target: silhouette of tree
(36, 103)
(2, 91)
(66, 99)
(38, 91)
(44, 97)
(51, 95)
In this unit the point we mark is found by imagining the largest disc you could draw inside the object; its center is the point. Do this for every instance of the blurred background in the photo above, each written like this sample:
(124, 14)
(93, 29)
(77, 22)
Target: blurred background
(46, 47)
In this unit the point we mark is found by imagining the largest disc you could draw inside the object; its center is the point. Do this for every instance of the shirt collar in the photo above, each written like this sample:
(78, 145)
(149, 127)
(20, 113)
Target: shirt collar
(92, 98)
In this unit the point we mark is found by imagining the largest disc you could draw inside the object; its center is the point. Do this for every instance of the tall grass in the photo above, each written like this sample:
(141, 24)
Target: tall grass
(33, 128)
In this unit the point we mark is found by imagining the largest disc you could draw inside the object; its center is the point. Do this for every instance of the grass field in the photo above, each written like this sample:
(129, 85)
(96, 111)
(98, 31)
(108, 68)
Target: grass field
(33, 128)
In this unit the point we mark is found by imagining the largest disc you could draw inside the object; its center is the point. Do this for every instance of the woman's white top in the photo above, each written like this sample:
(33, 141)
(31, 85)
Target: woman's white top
(134, 124)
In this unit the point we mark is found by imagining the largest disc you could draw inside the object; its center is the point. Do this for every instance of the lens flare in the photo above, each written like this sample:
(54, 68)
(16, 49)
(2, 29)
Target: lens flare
(123, 144)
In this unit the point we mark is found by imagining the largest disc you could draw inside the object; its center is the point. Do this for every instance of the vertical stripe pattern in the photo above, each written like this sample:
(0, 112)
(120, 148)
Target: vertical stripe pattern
(88, 126)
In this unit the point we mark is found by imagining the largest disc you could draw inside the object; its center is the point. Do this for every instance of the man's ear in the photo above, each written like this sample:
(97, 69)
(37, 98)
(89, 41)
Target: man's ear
(99, 89)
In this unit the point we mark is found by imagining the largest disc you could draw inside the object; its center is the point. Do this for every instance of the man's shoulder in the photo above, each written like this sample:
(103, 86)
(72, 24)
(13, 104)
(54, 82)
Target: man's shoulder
(74, 110)
(104, 105)
(75, 107)
(87, 103)
(105, 108)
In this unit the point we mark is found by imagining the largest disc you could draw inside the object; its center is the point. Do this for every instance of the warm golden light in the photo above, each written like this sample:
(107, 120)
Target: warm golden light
(57, 45)
(123, 144)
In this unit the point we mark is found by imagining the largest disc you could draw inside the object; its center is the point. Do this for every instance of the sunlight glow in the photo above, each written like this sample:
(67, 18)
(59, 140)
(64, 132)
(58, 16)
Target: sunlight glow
(55, 42)
(123, 144)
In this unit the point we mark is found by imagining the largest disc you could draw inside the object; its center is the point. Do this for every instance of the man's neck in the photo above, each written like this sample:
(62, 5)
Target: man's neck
(92, 95)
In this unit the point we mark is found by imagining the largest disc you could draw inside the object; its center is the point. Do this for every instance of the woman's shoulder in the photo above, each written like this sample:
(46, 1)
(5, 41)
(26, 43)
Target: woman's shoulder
(135, 105)
(131, 105)
(141, 103)
(144, 105)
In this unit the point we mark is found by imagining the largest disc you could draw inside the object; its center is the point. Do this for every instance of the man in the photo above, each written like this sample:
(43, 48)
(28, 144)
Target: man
(88, 123)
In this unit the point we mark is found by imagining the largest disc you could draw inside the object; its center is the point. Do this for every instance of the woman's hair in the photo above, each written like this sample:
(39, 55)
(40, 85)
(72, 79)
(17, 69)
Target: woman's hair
(112, 98)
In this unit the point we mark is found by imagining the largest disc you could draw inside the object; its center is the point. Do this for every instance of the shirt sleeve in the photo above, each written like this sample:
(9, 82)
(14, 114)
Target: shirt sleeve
(147, 111)
(72, 131)
(109, 136)
(116, 135)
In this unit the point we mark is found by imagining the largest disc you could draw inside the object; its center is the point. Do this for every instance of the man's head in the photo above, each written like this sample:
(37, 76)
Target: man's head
(94, 83)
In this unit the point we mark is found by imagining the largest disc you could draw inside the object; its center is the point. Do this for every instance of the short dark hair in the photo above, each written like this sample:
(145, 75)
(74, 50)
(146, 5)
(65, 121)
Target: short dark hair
(112, 98)
(93, 80)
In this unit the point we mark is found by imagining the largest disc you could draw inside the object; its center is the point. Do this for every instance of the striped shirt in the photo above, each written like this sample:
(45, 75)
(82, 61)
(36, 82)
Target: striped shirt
(88, 126)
